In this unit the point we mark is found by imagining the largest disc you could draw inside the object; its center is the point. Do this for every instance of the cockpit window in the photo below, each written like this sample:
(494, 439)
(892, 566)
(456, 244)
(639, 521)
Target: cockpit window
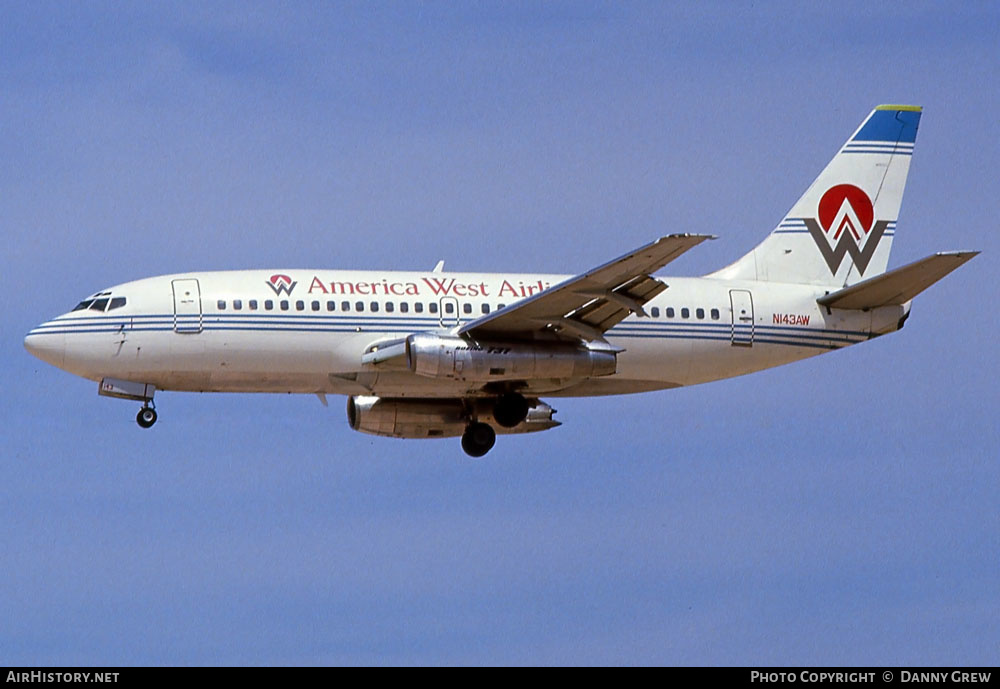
(100, 302)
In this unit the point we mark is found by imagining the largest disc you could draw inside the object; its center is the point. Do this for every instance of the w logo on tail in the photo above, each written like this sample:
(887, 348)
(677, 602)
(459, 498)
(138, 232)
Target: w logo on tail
(845, 224)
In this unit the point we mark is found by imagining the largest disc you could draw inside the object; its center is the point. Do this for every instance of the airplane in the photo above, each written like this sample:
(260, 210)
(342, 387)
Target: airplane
(430, 354)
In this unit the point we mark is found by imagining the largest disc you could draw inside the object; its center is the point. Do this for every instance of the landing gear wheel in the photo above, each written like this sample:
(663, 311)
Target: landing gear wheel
(510, 409)
(478, 439)
(146, 417)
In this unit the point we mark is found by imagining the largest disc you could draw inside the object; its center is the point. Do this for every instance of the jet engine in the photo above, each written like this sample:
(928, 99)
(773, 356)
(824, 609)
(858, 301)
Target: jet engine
(443, 356)
(435, 418)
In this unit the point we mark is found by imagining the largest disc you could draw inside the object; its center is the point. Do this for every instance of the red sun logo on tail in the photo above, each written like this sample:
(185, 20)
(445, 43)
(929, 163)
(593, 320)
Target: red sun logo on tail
(845, 207)
(846, 225)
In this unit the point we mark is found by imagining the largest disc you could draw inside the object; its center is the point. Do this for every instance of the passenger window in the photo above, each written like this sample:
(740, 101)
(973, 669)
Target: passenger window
(433, 307)
(670, 312)
(685, 313)
(221, 304)
(715, 314)
(419, 307)
(404, 307)
(359, 306)
(345, 306)
(374, 306)
(655, 312)
(486, 308)
(331, 305)
(99, 305)
(700, 313)
(300, 305)
(390, 307)
(116, 303)
(283, 304)
(466, 308)
(499, 306)
(268, 305)
(253, 304)
(449, 307)
(237, 304)
(315, 306)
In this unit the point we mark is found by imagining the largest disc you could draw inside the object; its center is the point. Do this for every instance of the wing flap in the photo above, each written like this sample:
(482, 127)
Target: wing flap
(588, 305)
(897, 286)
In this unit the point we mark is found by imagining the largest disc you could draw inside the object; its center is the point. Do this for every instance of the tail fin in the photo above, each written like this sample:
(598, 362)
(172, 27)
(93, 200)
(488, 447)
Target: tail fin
(841, 230)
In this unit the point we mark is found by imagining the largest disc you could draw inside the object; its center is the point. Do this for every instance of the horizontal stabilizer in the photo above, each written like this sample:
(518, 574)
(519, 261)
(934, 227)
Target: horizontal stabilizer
(897, 286)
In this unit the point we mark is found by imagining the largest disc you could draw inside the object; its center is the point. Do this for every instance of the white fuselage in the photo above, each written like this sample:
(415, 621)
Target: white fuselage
(240, 331)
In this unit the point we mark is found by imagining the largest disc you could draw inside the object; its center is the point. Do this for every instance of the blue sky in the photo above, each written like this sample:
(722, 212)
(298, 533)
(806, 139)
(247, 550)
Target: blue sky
(841, 510)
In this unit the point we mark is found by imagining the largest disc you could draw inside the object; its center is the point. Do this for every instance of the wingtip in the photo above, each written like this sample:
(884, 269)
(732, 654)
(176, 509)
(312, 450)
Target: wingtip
(682, 235)
(961, 257)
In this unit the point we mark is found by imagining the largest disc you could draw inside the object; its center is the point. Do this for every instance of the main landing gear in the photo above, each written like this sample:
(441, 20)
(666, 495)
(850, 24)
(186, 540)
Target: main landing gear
(146, 416)
(478, 439)
(509, 410)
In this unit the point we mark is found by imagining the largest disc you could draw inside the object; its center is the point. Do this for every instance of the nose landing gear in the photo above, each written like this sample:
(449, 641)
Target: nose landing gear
(146, 417)
(130, 390)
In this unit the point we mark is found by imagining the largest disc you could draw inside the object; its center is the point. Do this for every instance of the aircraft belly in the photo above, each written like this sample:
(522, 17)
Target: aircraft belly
(613, 385)
(236, 381)
(677, 361)
(653, 359)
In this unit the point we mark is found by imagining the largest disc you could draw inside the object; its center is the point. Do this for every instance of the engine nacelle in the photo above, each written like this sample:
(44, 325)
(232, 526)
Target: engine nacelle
(431, 418)
(437, 356)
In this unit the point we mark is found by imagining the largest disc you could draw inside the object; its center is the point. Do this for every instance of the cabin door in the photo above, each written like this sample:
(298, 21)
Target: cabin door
(187, 306)
(742, 303)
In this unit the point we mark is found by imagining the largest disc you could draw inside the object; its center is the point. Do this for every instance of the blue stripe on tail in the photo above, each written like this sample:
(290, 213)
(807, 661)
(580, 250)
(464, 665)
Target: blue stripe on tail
(890, 125)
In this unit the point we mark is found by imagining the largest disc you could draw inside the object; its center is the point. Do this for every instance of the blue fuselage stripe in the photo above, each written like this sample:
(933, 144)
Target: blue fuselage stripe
(720, 331)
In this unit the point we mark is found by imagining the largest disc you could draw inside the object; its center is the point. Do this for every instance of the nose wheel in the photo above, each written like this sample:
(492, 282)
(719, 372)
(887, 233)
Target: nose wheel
(146, 417)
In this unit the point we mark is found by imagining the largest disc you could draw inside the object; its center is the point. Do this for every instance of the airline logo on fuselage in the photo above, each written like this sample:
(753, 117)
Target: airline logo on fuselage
(281, 284)
(845, 224)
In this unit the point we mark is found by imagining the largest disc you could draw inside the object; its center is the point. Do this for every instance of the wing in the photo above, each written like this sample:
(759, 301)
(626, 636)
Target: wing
(588, 305)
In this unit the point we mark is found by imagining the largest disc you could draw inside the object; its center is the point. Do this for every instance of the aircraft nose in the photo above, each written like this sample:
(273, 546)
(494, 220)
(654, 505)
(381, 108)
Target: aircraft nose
(49, 347)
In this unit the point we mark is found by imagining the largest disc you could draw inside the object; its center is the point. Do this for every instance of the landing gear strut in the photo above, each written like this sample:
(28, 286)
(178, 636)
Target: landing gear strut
(510, 409)
(478, 439)
(146, 417)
